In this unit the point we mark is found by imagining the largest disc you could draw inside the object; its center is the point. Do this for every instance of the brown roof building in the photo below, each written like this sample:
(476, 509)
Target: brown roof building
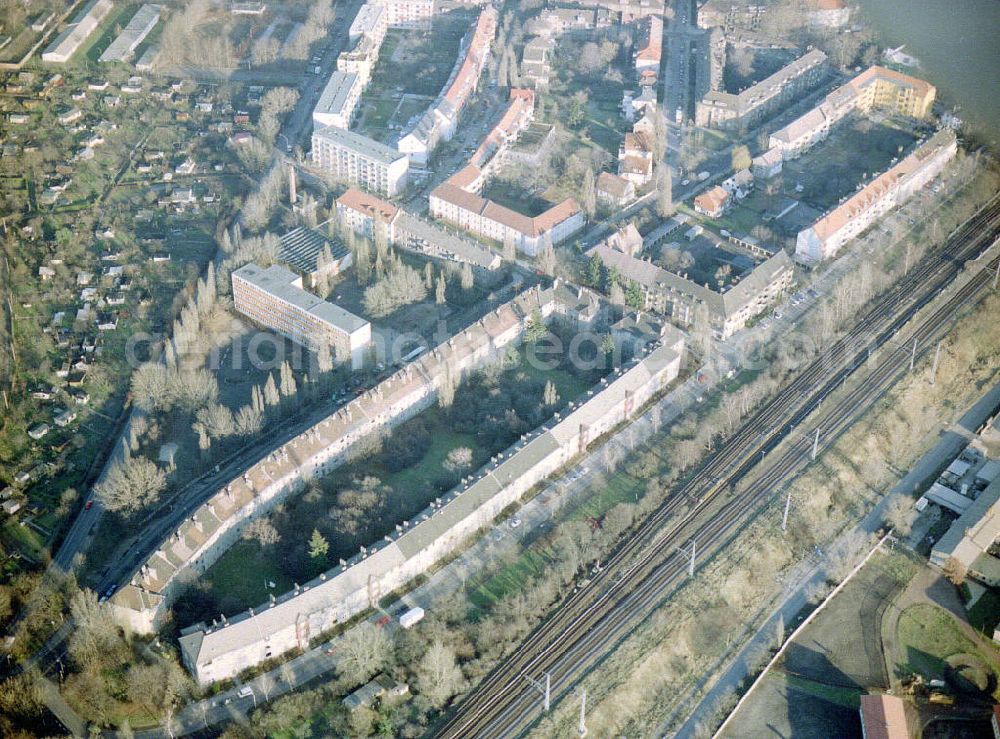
(883, 717)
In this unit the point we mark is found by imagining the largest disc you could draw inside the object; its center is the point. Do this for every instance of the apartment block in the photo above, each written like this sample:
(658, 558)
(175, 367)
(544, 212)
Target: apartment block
(274, 298)
(364, 214)
(408, 13)
(338, 101)
(893, 187)
(221, 650)
(359, 160)
(689, 303)
(439, 121)
(876, 87)
(649, 44)
(200, 539)
(496, 222)
(371, 21)
(757, 103)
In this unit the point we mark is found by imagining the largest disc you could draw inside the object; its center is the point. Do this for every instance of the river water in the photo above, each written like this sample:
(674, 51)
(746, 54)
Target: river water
(958, 45)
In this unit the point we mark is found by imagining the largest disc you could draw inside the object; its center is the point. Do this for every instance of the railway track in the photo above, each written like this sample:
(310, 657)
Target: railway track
(642, 570)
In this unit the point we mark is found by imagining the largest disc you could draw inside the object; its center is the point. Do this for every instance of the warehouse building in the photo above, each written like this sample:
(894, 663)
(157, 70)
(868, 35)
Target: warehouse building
(142, 23)
(84, 23)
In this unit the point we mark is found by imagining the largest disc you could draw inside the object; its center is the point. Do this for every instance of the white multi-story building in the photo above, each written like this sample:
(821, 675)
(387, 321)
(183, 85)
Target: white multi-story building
(876, 87)
(371, 21)
(359, 160)
(274, 298)
(221, 651)
(202, 537)
(338, 101)
(893, 187)
(408, 13)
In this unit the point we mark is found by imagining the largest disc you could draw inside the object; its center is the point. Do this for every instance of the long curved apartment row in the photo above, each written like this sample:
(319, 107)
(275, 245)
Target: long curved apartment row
(222, 650)
(201, 538)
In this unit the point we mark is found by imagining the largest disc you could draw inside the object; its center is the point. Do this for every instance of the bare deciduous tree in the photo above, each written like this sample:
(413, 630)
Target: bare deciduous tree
(131, 485)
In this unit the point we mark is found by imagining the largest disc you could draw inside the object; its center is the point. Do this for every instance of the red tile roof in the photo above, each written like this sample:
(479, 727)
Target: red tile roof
(367, 204)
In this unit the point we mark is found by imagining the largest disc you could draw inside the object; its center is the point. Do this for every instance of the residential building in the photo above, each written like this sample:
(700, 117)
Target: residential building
(439, 121)
(635, 158)
(712, 202)
(361, 60)
(768, 164)
(359, 160)
(628, 10)
(247, 8)
(627, 240)
(739, 184)
(142, 23)
(408, 13)
(883, 717)
(84, 23)
(493, 221)
(458, 198)
(893, 187)
(614, 190)
(828, 13)
(757, 103)
(876, 87)
(274, 298)
(201, 538)
(338, 101)
(649, 44)
(313, 255)
(689, 303)
(372, 21)
(222, 650)
(417, 235)
(363, 213)
(968, 542)
(514, 121)
(535, 65)
(557, 20)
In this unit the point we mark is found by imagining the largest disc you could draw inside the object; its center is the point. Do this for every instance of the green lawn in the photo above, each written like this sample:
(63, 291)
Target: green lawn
(620, 488)
(23, 539)
(928, 635)
(529, 565)
(105, 34)
(848, 697)
(243, 573)
(985, 614)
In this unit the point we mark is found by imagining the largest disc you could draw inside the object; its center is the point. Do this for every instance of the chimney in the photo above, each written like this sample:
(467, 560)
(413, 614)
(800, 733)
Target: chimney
(292, 196)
